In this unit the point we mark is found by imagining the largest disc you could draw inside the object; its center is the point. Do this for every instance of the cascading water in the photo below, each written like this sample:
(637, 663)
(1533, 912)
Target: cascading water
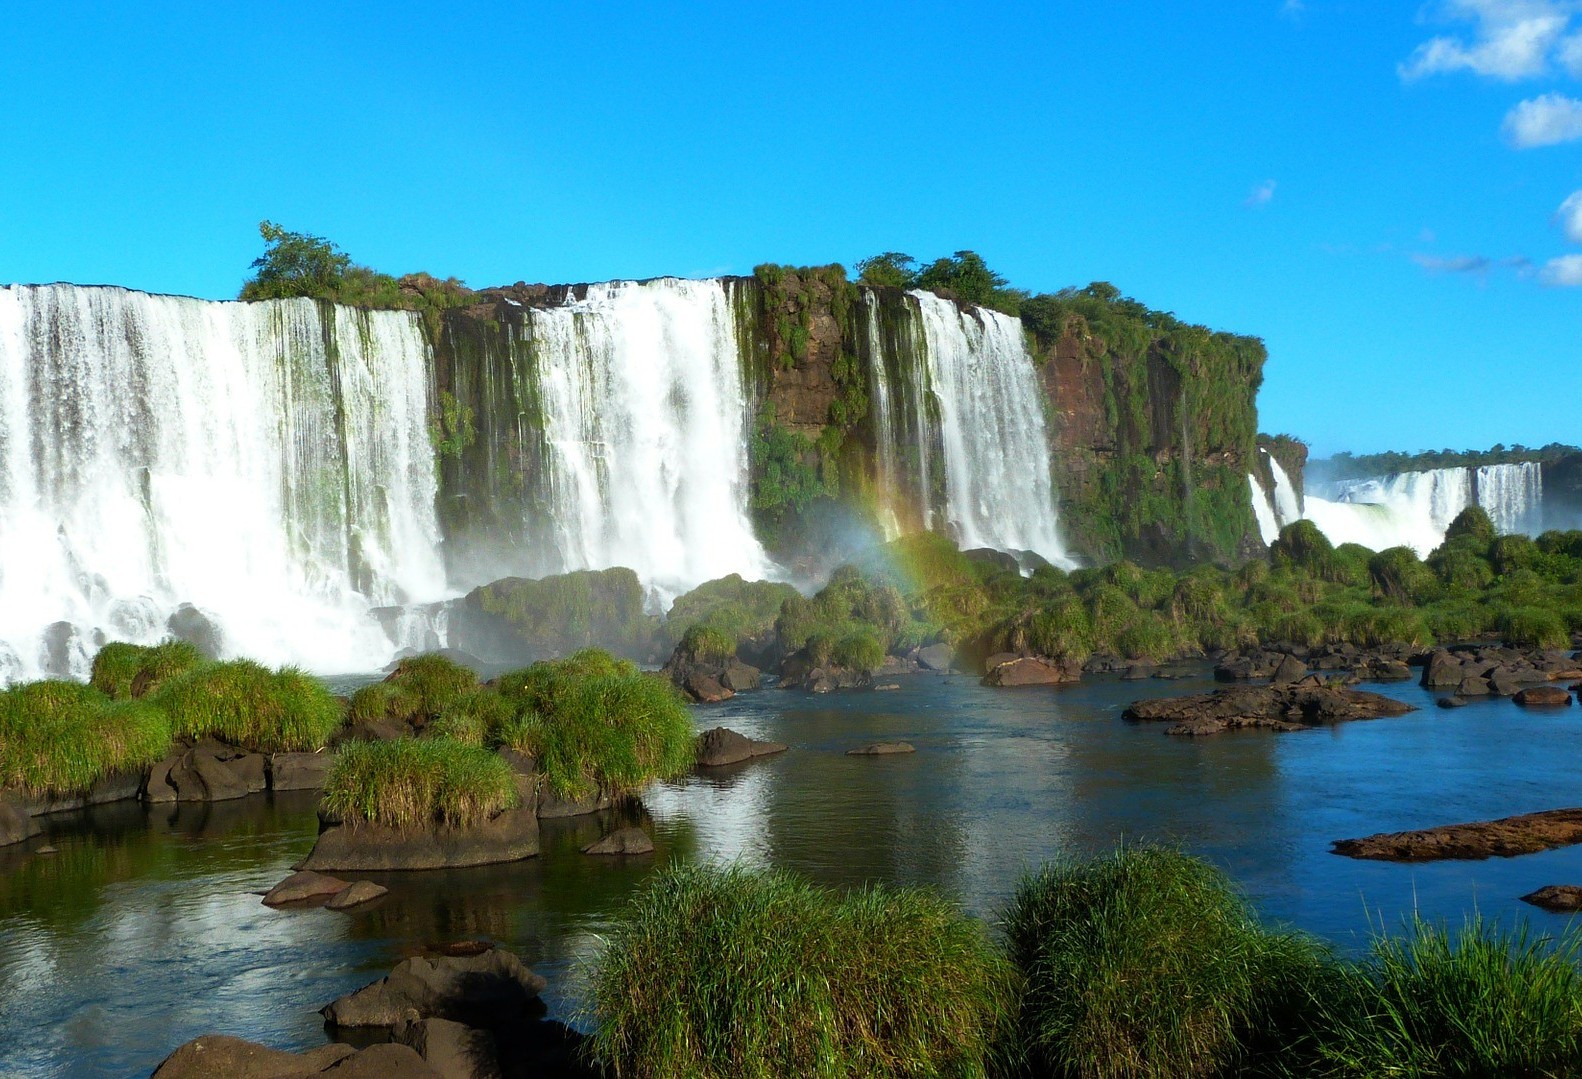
(644, 424)
(270, 469)
(1513, 495)
(1263, 511)
(1277, 508)
(991, 430)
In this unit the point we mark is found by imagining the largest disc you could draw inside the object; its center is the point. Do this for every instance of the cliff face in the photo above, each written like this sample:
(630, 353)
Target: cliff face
(1152, 424)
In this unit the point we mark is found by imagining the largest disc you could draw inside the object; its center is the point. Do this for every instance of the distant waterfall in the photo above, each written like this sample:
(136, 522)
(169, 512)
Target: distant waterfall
(1513, 495)
(270, 468)
(644, 423)
(990, 427)
(1263, 511)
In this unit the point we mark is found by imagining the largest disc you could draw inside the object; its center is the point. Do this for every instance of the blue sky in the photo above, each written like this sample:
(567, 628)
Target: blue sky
(1375, 188)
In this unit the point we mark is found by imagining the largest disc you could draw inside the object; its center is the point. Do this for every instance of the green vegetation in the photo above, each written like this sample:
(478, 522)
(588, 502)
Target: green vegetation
(1483, 1002)
(415, 783)
(729, 973)
(596, 725)
(571, 610)
(852, 621)
(731, 606)
(248, 705)
(1148, 963)
(425, 685)
(1352, 466)
(963, 277)
(123, 670)
(298, 264)
(60, 738)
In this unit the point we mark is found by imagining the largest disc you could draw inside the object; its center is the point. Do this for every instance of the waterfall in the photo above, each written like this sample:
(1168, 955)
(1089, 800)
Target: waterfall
(268, 466)
(990, 427)
(1513, 495)
(644, 427)
(1263, 510)
(1287, 506)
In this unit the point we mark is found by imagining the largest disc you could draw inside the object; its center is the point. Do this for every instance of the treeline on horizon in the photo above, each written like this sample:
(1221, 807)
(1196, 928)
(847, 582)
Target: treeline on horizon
(1346, 465)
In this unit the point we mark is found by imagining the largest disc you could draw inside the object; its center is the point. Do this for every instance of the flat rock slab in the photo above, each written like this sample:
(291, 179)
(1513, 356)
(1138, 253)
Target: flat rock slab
(488, 988)
(216, 1055)
(1503, 838)
(299, 771)
(882, 749)
(623, 841)
(455, 1050)
(1543, 697)
(1032, 671)
(1560, 898)
(1278, 708)
(722, 746)
(507, 837)
(355, 895)
(304, 886)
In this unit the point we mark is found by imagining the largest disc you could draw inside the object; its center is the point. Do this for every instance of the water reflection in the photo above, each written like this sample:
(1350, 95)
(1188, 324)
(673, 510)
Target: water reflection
(145, 928)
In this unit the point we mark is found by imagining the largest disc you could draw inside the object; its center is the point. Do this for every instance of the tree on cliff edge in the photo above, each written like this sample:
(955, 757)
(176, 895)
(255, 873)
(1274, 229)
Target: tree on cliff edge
(296, 264)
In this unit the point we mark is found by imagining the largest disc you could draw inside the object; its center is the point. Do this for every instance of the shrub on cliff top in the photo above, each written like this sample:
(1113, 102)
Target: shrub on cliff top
(1148, 963)
(248, 705)
(732, 973)
(59, 738)
(120, 669)
(1483, 1002)
(416, 783)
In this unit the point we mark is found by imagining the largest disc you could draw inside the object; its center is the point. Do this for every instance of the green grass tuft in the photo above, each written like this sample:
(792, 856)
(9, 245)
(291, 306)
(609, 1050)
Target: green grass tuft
(123, 670)
(731, 973)
(59, 738)
(1148, 963)
(248, 705)
(431, 682)
(415, 783)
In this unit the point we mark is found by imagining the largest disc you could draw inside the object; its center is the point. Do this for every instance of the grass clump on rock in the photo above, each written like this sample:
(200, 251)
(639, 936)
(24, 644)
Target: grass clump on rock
(122, 670)
(427, 683)
(62, 737)
(597, 725)
(413, 783)
(730, 972)
(249, 705)
(1483, 1002)
(1148, 963)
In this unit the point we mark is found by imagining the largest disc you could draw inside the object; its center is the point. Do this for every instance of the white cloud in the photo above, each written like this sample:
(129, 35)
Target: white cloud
(1570, 55)
(1512, 40)
(1456, 264)
(1563, 272)
(1261, 195)
(1544, 121)
(1293, 9)
(1569, 217)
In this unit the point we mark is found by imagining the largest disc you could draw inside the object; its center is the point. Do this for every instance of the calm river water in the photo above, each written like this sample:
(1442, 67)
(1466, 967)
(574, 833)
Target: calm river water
(145, 930)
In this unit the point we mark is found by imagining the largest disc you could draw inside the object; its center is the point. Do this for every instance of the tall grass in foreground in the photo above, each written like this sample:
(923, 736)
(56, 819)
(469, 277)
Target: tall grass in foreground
(62, 737)
(248, 705)
(124, 670)
(1484, 1002)
(1148, 962)
(415, 783)
(731, 973)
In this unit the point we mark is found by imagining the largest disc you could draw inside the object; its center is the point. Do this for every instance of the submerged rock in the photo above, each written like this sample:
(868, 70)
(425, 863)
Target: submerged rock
(1506, 837)
(360, 892)
(1033, 671)
(1452, 702)
(304, 886)
(1559, 898)
(622, 841)
(882, 749)
(1280, 708)
(722, 746)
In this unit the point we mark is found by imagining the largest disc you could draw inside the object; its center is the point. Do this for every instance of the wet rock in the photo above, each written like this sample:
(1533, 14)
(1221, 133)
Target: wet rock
(198, 629)
(1543, 697)
(212, 771)
(356, 894)
(1559, 898)
(1139, 671)
(385, 1061)
(1474, 687)
(1503, 838)
(487, 988)
(1452, 702)
(623, 841)
(299, 771)
(507, 837)
(159, 789)
(1290, 670)
(216, 1055)
(553, 807)
(882, 749)
(739, 677)
(453, 1049)
(888, 687)
(705, 689)
(722, 746)
(1033, 671)
(304, 886)
(936, 657)
(1280, 708)
(1442, 671)
(16, 819)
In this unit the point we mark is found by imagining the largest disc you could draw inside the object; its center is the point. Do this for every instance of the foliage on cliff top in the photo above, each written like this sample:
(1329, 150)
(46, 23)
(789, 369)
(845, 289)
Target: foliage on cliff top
(874, 983)
(59, 738)
(964, 277)
(1347, 465)
(299, 264)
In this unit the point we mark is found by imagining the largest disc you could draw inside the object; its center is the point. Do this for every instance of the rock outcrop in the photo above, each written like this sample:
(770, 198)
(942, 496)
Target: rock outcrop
(509, 836)
(1030, 671)
(481, 986)
(1506, 837)
(1295, 707)
(722, 746)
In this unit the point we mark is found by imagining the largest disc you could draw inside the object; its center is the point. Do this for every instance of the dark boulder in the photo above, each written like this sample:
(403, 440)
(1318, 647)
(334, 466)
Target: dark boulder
(722, 746)
(1503, 838)
(16, 819)
(216, 1056)
(1442, 671)
(1543, 697)
(1452, 702)
(1033, 671)
(509, 836)
(1290, 670)
(1280, 708)
(481, 988)
(299, 771)
(198, 629)
(455, 1050)
(304, 886)
(739, 677)
(1559, 898)
(882, 749)
(705, 688)
(358, 893)
(212, 771)
(936, 657)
